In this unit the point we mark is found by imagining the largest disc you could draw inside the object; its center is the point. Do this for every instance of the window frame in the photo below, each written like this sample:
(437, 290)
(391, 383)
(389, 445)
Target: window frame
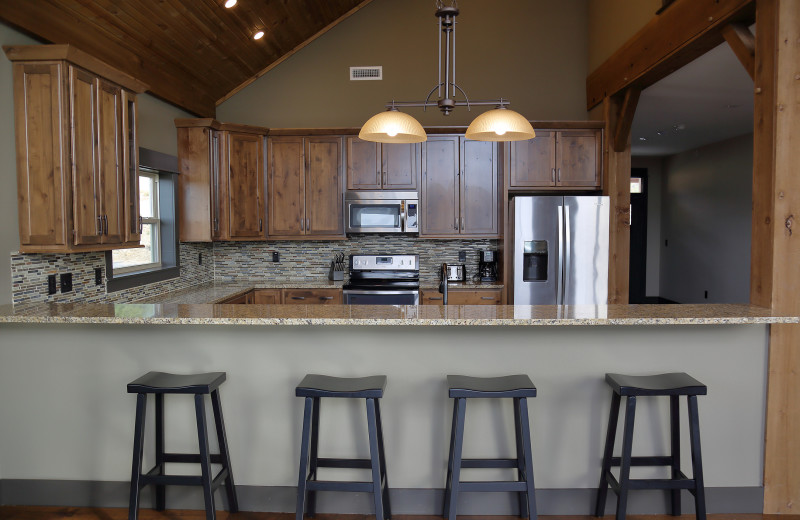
(144, 171)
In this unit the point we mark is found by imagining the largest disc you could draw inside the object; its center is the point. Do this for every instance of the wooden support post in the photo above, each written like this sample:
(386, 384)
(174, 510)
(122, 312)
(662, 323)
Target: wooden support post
(743, 45)
(776, 239)
(622, 132)
(617, 185)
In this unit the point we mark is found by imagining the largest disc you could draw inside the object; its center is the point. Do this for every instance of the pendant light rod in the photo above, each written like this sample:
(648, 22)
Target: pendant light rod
(425, 104)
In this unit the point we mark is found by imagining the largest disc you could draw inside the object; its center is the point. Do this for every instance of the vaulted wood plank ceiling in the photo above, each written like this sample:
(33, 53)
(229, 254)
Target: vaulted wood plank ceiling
(192, 53)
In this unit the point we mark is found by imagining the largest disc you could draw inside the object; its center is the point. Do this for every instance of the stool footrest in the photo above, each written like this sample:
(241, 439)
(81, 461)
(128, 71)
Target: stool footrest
(344, 463)
(151, 477)
(489, 463)
(492, 486)
(332, 485)
(644, 461)
(682, 482)
(190, 458)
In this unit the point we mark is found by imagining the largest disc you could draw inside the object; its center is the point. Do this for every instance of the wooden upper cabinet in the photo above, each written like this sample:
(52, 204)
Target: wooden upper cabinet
(246, 185)
(72, 130)
(130, 167)
(460, 188)
(305, 187)
(557, 159)
(376, 166)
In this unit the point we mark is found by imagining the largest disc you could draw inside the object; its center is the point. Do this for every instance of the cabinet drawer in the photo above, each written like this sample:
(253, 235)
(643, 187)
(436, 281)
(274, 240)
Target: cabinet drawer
(474, 297)
(312, 296)
(430, 297)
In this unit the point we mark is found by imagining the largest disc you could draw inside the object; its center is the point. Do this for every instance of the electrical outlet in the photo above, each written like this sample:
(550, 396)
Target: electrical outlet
(706, 295)
(98, 276)
(462, 256)
(51, 284)
(199, 258)
(66, 282)
(276, 257)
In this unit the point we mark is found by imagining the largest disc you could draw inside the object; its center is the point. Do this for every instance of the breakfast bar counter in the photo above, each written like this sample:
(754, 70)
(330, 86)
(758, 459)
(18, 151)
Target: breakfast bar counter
(67, 422)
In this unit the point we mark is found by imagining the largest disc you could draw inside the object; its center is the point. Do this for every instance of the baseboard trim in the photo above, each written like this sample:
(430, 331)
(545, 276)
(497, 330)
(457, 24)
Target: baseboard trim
(281, 499)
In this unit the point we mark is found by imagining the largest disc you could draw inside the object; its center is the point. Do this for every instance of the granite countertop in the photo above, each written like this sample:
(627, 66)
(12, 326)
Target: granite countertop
(423, 315)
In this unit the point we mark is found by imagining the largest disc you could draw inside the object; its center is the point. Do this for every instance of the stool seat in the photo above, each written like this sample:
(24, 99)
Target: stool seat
(315, 385)
(519, 385)
(164, 383)
(675, 383)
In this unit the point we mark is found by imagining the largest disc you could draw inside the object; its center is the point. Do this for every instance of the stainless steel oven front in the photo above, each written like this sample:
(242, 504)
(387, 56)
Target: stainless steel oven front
(381, 297)
(381, 212)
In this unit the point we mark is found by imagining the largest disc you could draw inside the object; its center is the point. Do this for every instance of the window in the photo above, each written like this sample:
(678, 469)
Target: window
(157, 260)
(148, 257)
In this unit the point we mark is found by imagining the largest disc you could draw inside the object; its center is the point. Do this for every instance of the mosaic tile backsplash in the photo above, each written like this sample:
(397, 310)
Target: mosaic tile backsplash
(232, 261)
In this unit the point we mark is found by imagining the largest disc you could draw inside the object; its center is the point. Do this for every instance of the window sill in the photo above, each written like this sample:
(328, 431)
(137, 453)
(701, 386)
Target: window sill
(139, 278)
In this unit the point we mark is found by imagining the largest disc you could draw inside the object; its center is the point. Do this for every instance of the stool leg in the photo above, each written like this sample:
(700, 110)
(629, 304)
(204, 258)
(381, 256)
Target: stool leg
(526, 447)
(458, 443)
(138, 452)
(675, 454)
(697, 461)
(205, 459)
(448, 480)
(375, 461)
(523, 497)
(304, 440)
(161, 500)
(225, 456)
(625, 462)
(608, 452)
(311, 503)
(387, 506)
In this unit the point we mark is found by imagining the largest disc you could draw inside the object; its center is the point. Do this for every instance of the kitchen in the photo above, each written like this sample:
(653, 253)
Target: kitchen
(549, 107)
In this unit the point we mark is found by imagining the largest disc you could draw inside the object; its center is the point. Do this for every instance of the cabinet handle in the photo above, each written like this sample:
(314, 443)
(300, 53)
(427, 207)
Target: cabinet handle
(141, 225)
(462, 223)
(302, 224)
(455, 226)
(216, 224)
(553, 175)
(260, 225)
(99, 224)
(326, 297)
(308, 224)
(105, 223)
(487, 297)
(559, 175)
(385, 178)
(298, 297)
(435, 298)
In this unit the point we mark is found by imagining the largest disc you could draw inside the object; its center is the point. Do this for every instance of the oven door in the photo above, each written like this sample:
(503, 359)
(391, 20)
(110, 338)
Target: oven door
(380, 297)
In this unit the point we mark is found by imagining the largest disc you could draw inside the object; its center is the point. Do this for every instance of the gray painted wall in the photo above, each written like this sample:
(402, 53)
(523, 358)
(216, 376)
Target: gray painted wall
(156, 131)
(707, 220)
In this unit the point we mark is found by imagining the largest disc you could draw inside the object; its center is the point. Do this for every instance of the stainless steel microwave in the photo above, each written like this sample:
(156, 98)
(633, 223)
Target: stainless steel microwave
(381, 212)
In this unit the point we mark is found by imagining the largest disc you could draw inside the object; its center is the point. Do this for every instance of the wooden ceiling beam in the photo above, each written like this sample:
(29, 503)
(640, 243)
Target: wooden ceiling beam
(624, 122)
(743, 45)
(688, 29)
(292, 52)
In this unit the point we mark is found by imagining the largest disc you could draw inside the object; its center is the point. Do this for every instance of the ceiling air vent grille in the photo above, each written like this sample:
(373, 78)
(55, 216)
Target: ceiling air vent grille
(365, 73)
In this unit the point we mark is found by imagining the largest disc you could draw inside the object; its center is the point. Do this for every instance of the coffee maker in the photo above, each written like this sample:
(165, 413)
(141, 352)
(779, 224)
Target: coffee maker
(487, 267)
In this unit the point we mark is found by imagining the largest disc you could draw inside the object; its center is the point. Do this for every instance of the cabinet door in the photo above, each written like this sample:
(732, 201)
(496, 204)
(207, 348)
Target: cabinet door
(363, 165)
(440, 214)
(324, 204)
(246, 185)
(42, 168)
(86, 208)
(267, 296)
(533, 162)
(217, 163)
(479, 188)
(130, 167)
(111, 179)
(578, 158)
(400, 166)
(474, 297)
(286, 186)
(432, 297)
(312, 296)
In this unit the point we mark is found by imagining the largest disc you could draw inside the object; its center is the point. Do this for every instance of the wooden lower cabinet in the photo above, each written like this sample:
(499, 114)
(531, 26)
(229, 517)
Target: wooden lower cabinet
(458, 296)
(240, 299)
(267, 296)
(312, 296)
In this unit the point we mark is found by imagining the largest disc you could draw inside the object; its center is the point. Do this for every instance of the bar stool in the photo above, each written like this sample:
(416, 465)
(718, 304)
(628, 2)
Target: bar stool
(313, 387)
(199, 385)
(672, 385)
(517, 387)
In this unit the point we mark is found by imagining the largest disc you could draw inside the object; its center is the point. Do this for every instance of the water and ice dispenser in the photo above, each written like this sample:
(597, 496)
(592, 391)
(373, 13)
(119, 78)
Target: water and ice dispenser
(534, 261)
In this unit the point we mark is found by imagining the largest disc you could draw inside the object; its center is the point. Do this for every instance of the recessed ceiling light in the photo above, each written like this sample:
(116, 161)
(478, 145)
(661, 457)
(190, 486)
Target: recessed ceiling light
(643, 139)
(258, 35)
(230, 3)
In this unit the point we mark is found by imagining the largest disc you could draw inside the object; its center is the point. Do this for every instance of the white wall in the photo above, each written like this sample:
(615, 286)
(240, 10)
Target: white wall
(654, 167)
(706, 217)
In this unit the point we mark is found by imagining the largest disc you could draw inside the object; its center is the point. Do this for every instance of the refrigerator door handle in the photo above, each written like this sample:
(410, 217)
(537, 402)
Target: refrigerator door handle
(568, 253)
(560, 268)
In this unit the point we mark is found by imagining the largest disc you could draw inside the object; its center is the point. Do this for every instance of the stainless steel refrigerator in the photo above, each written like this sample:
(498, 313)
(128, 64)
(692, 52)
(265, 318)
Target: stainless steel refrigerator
(560, 250)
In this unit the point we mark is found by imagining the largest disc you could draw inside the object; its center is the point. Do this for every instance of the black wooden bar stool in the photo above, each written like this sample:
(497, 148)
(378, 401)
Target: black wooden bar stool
(199, 385)
(673, 385)
(313, 387)
(517, 387)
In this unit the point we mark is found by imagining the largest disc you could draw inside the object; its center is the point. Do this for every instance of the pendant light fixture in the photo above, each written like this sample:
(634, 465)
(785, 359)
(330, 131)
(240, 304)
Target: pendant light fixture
(498, 124)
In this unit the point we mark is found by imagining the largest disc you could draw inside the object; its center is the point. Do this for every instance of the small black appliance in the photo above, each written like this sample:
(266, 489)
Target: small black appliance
(487, 267)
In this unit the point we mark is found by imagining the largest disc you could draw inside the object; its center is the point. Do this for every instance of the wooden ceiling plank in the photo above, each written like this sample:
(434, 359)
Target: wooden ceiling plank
(743, 45)
(275, 63)
(236, 27)
(48, 21)
(624, 122)
(688, 29)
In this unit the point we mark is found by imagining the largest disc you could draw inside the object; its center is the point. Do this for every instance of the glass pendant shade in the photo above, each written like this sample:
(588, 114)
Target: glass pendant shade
(500, 124)
(392, 126)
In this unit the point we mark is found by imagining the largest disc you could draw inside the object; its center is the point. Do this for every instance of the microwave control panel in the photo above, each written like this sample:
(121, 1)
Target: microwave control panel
(385, 262)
